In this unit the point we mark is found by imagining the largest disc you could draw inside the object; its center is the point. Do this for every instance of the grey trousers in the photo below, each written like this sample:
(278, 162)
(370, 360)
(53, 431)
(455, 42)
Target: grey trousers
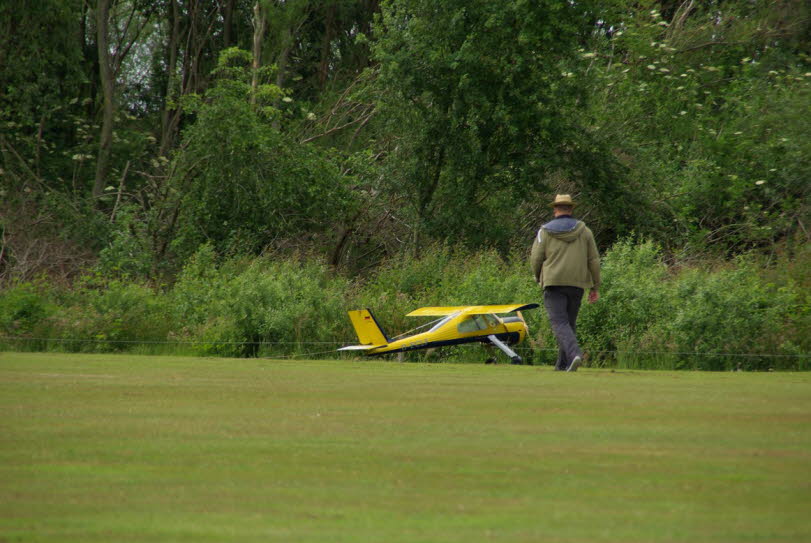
(562, 305)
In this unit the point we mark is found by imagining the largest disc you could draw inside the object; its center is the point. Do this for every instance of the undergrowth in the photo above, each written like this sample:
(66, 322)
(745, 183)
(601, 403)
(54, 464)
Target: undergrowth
(744, 314)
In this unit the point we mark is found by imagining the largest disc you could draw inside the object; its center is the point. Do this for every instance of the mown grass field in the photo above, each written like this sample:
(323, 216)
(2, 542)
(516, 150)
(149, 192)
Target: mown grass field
(136, 448)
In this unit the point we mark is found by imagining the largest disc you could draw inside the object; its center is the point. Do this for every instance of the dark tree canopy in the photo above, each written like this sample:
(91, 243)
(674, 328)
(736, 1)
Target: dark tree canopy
(132, 132)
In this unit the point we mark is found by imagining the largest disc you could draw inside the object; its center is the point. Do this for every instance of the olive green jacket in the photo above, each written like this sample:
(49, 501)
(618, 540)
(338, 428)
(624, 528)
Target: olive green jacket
(564, 254)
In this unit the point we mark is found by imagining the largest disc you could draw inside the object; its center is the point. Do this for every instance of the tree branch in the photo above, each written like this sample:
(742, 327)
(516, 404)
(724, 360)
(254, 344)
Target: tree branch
(363, 119)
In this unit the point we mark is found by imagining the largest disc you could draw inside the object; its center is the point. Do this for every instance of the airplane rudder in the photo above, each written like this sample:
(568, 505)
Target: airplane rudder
(367, 328)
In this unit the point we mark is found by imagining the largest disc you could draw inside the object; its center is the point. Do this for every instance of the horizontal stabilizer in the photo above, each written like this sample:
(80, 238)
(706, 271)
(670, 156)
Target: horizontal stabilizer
(359, 347)
(469, 309)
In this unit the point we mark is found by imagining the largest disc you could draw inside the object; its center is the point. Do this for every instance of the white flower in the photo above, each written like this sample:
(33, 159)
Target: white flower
(651, 67)
(760, 181)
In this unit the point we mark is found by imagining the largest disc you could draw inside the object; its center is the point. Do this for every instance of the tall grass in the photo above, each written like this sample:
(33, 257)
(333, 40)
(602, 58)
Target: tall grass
(736, 315)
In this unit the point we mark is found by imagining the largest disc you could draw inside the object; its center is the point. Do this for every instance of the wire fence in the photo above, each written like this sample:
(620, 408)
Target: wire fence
(303, 349)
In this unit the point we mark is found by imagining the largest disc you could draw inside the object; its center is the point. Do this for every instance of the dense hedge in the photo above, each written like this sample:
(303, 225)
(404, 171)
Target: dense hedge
(650, 315)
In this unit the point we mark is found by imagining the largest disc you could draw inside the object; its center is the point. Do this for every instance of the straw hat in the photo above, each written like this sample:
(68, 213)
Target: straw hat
(563, 200)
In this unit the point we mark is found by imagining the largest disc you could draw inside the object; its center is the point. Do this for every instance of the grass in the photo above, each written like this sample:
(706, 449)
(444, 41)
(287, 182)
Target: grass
(135, 448)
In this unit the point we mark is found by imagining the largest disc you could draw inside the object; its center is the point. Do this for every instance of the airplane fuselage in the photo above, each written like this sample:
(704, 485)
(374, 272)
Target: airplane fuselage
(457, 325)
(458, 329)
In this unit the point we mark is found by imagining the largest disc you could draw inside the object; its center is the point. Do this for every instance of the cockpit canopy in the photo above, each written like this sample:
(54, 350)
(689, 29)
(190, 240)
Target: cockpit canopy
(474, 323)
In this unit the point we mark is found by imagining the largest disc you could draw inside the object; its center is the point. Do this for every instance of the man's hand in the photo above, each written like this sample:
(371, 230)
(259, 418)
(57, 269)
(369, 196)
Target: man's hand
(594, 295)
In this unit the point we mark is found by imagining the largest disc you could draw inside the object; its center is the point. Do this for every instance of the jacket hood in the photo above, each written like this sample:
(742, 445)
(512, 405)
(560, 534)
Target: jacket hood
(563, 228)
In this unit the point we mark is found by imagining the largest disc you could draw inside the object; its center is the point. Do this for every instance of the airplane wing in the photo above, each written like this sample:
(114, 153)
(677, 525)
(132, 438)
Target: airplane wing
(469, 309)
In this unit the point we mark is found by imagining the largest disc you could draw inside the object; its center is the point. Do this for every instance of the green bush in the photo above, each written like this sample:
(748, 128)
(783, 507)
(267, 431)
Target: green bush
(700, 318)
(260, 306)
(730, 312)
(649, 315)
(112, 315)
(24, 313)
(22, 308)
(634, 296)
(199, 284)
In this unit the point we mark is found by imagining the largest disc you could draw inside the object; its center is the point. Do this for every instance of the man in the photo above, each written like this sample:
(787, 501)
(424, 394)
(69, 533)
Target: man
(565, 262)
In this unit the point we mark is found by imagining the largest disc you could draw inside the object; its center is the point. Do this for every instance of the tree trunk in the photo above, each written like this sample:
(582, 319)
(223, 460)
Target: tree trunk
(170, 116)
(258, 35)
(426, 197)
(106, 76)
(329, 24)
(227, 38)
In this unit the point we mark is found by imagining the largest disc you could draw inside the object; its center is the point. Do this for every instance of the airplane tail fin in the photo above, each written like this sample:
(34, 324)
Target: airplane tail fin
(366, 326)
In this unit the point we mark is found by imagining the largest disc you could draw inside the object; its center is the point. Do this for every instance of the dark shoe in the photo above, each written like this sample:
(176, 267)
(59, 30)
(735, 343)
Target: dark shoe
(575, 364)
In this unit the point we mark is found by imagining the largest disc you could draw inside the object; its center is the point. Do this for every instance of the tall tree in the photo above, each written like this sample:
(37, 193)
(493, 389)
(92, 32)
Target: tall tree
(107, 78)
(119, 25)
(476, 99)
(240, 183)
(259, 16)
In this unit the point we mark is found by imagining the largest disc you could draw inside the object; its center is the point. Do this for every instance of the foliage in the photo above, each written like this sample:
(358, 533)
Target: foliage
(281, 303)
(692, 318)
(103, 315)
(23, 308)
(731, 311)
(711, 115)
(40, 89)
(240, 183)
(648, 315)
(126, 253)
(634, 295)
(473, 93)
(412, 145)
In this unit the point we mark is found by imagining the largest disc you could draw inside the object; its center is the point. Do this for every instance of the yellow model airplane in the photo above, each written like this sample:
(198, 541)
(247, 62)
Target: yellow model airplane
(456, 325)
